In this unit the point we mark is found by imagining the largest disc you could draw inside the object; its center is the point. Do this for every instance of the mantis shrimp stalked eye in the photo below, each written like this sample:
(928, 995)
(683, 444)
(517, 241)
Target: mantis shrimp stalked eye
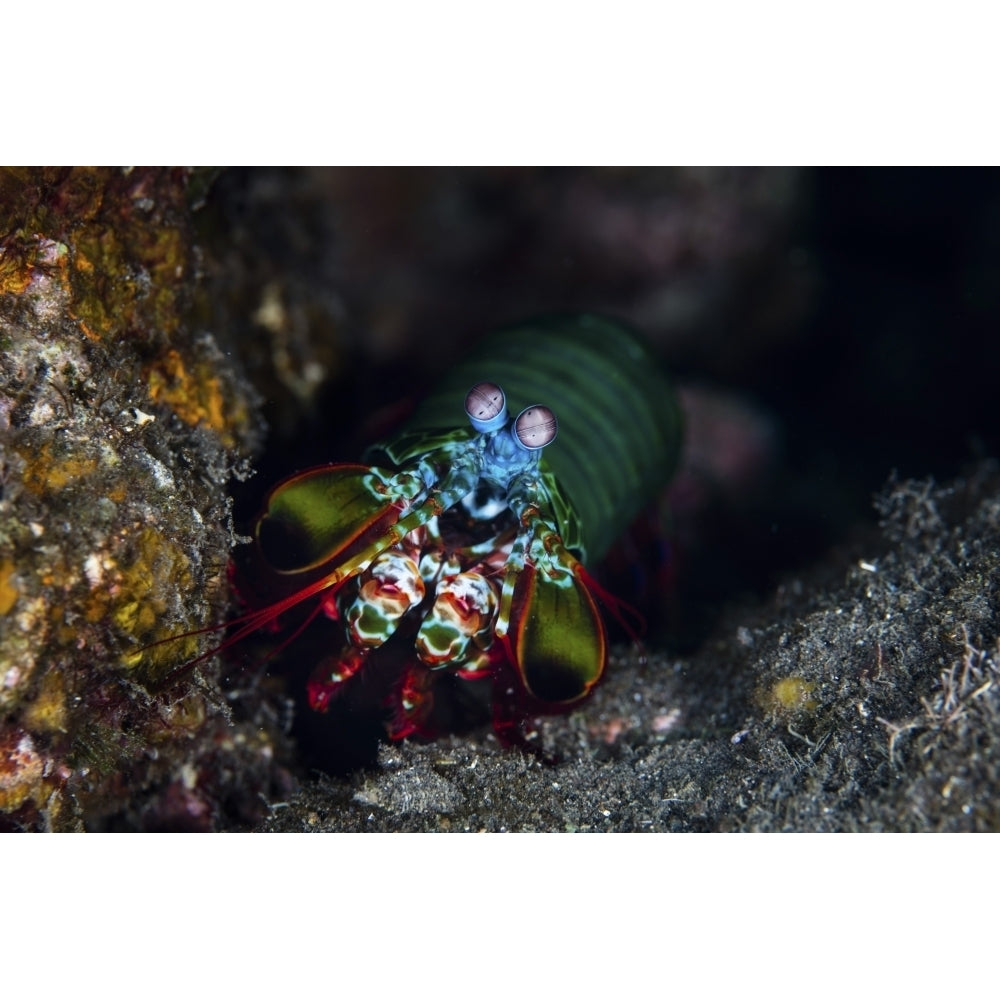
(466, 539)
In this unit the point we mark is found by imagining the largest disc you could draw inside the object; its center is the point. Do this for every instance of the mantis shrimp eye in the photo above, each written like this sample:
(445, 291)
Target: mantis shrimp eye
(535, 427)
(486, 407)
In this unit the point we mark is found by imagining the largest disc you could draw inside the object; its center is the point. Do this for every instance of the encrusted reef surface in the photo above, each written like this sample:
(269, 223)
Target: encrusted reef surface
(863, 696)
(121, 424)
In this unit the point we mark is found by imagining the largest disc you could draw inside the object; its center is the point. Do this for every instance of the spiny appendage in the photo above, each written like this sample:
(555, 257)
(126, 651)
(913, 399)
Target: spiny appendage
(412, 702)
(328, 679)
(537, 548)
(389, 588)
(456, 629)
(548, 620)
